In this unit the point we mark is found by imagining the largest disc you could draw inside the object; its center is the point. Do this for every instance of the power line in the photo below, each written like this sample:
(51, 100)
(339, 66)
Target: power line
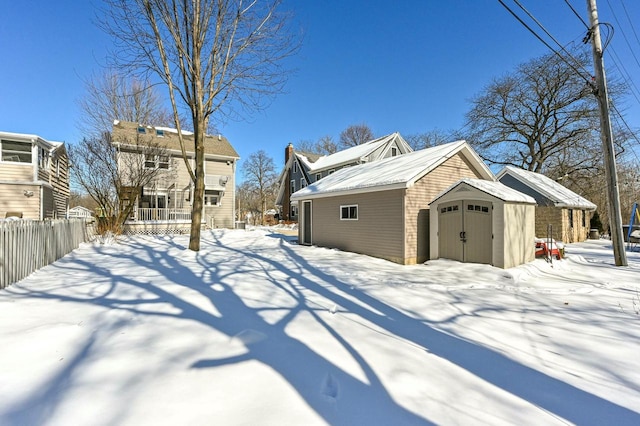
(577, 14)
(623, 34)
(630, 21)
(624, 73)
(587, 80)
(549, 34)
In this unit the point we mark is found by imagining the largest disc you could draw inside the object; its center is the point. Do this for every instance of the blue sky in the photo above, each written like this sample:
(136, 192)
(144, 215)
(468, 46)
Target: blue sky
(408, 66)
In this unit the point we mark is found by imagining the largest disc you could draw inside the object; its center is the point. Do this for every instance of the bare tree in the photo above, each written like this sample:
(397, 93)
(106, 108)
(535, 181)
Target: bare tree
(218, 58)
(110, 96)
(355, 135)
(113, 177)
(326, 146)
(428, 139)
(540, 117)
(259, 172)
(323, 146)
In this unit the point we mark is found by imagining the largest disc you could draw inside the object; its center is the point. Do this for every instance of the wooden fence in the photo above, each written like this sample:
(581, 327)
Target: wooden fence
(26, 246)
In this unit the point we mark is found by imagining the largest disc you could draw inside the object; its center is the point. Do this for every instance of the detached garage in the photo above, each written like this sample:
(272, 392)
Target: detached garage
(481, 221)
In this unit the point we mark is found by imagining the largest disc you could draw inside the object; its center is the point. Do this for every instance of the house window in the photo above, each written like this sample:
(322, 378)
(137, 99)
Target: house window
(394, 151)
(303, 183)
(159, 133)
(318, 176)
(142, 130)
(584, 218)
(19, 152)
(211, 198)
(294, 211)
(43, 158)
(295, 167)
(149, 161)
(349, 212)
(156, 161)
(570, 218)
(293, 186)
(163, 162)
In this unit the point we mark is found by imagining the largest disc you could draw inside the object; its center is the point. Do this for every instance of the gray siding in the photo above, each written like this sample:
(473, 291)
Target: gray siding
(378, 231)
(514, 183)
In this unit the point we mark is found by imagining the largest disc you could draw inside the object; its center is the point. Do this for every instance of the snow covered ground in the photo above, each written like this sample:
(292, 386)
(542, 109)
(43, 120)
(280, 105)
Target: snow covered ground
(256, 330)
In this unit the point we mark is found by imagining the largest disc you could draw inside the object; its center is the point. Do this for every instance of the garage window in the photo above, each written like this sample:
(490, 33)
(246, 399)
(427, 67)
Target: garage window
(477, 208)
(449, 209)
(349, 212)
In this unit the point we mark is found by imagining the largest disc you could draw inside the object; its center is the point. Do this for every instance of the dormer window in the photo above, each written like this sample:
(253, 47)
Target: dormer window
(142, 130)
(394, 151)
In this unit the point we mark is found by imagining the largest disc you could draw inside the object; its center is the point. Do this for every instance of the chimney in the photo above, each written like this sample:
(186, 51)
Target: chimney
(288, 152)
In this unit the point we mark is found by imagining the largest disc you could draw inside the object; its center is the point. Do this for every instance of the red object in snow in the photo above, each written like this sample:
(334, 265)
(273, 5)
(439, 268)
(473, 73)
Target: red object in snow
(542, 249)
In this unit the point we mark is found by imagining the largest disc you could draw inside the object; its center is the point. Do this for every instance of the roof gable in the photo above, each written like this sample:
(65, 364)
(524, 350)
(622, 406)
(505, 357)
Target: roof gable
(550, 189)
(495, 189)
(391, 173)
(355, 153)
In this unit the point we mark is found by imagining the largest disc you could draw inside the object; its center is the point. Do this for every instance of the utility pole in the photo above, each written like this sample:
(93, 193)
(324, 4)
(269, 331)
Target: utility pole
(613, 197)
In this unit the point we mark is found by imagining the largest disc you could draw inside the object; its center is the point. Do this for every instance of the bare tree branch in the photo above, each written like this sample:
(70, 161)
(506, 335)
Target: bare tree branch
(220, 59)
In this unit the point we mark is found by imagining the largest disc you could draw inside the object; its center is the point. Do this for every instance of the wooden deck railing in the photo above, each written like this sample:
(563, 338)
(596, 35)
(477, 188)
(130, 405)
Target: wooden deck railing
(150, 214)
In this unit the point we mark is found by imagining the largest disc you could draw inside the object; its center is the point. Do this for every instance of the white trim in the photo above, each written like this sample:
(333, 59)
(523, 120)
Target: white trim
(349, 207)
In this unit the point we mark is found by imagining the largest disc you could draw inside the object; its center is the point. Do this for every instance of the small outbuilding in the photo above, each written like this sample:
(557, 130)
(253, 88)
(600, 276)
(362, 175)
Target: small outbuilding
(481, 221)
(568, 213)
(381, 208)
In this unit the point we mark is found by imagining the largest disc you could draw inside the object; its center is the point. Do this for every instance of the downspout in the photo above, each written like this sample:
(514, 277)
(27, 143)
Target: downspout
(233, 210)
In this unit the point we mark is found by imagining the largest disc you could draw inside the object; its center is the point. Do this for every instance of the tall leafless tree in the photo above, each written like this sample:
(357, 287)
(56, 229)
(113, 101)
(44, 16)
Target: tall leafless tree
(218, 59)
(355, 135)
(110, 96)
(541, 117)
(259, 172)
(99, 168)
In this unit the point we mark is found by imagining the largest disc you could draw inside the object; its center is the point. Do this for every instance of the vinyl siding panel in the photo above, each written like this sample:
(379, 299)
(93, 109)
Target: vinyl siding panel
(221, 216)
(378, 231)
(518, 236)
(16, 172)
(12, 199)
(417, 204)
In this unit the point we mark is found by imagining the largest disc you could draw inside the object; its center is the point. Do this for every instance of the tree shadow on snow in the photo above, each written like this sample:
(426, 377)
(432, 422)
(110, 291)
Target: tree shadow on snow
(333, 393)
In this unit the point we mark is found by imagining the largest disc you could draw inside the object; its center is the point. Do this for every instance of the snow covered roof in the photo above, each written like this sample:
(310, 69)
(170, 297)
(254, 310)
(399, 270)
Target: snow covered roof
(353, 153)
(558, 194)
(495, 189)
(126, 132)
(391, 173)
(31, 138)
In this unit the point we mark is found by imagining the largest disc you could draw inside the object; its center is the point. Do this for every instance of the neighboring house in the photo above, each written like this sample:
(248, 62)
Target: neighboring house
(381, 208)
(34, 177)
(302, 169)
(568, 213)
(80, 212)
(166, 202)
(481, 221)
